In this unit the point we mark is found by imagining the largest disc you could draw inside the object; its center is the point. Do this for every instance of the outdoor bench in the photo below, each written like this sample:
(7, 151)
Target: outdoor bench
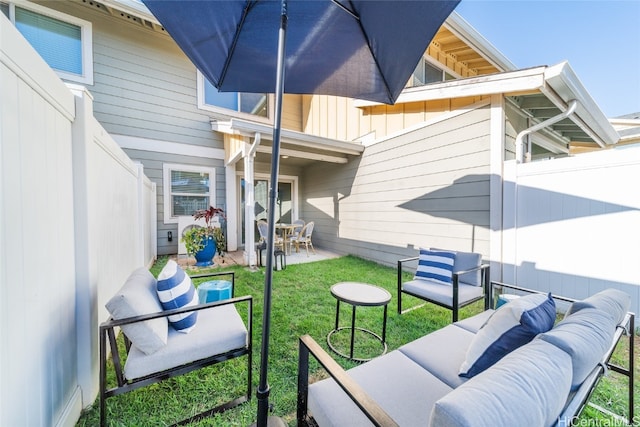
(154, 351)
(544, 382)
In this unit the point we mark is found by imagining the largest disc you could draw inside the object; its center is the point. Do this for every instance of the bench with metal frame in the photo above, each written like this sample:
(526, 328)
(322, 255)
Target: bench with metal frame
(124, 385)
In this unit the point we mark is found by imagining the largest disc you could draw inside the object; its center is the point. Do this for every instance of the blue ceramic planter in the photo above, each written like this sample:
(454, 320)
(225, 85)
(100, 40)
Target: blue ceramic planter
(205, 256)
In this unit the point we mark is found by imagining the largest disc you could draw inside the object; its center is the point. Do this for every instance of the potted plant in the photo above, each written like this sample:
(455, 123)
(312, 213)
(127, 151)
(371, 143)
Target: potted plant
(202, 242)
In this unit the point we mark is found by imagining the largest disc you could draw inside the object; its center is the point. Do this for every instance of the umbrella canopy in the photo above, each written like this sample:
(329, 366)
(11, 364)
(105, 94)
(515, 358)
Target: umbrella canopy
(363, 49)
(354, 48)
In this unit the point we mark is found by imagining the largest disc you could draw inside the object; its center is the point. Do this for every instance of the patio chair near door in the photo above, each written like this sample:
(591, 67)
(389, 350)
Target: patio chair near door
(304, 237)
(263, 230)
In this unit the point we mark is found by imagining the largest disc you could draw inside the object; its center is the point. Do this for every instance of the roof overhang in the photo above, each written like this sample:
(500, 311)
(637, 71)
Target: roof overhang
(557, 84)
(294, 144)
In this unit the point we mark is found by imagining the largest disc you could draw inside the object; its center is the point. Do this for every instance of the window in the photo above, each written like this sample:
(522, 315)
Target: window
(187, 189)
(426, 73)
(252, 104)
(63, 41)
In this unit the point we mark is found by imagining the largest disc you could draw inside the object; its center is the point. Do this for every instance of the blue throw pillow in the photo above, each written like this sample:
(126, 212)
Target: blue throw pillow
(175, 290)
(435, 265)
(511, 326)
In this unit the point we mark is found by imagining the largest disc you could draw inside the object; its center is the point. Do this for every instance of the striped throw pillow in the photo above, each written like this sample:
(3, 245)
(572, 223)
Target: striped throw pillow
(435, 265)
(175, 290)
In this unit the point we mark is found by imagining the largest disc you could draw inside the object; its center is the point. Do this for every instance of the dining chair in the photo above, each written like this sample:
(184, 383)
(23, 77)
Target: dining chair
(304, 237)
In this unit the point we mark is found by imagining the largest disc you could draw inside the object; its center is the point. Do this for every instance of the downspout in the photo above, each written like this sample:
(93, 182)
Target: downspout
(520, 152)
(249, 210)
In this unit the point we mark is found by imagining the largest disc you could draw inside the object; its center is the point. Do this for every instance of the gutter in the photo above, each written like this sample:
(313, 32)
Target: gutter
(520, 156)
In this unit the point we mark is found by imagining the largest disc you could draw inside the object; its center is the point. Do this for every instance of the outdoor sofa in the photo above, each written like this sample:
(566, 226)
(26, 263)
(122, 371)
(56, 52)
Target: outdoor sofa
(543, 382)
(155, 348)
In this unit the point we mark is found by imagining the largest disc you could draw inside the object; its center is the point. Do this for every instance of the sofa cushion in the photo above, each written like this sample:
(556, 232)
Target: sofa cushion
(586, 336)
(466, 261)
(440, 292)
(612, 301)
(441, 352)
(435, 265)
(527, 387)
(137, 297)
(221, 330)
(401, 387)
(474, 323)
(175, 290)
(511, 326)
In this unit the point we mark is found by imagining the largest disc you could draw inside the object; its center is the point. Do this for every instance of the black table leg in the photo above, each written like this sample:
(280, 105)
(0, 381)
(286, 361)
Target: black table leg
(353, 329)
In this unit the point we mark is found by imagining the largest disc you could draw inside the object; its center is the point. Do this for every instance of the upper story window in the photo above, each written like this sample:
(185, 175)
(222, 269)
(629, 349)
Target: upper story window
(426, 73)
(63, 41)
(187, 189)
(250, 104)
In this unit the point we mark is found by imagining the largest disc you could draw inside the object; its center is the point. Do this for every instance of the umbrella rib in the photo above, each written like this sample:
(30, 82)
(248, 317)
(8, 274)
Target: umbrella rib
(248, 6)
(343, 7)
(375, 59)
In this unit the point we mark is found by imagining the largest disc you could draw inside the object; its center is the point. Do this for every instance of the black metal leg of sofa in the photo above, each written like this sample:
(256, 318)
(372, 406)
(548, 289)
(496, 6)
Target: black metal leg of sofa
(632, 332)
(399, 287)
(303, 383)
(456, 298)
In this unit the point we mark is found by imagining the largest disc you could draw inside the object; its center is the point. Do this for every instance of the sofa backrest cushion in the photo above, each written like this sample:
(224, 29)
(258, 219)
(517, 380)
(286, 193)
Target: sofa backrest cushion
(509, 327)
(467, 261)
(175, 290)
(137, 297)
(586, 336)
(435, 265)
(527, 387)
(612, 301)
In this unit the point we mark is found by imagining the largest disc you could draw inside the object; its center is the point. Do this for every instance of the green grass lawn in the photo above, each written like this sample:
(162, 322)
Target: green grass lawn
(302, 304)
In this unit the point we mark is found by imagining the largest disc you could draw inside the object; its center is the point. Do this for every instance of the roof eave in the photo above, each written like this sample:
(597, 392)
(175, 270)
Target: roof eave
(248, 128)
(565, 84)
(457, 25)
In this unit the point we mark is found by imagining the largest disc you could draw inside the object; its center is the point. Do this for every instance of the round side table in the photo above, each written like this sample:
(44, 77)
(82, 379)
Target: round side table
(359, 294)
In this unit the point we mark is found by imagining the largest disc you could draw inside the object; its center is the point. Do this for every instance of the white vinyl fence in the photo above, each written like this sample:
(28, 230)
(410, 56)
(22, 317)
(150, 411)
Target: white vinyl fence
(76, 217)
(572, 226)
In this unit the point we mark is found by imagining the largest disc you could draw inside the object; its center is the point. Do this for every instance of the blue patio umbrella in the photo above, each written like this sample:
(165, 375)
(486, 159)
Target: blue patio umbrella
(364, 49)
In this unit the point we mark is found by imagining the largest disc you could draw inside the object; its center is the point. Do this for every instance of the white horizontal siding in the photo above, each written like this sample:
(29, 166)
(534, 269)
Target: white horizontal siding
(428, 187)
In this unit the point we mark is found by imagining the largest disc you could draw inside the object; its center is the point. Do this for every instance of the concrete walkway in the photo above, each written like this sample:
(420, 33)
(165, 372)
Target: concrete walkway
(237, 258)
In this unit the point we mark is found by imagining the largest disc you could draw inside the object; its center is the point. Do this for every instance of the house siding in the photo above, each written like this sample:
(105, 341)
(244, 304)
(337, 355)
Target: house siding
(427, 187)
(153, 163)
(336, 117)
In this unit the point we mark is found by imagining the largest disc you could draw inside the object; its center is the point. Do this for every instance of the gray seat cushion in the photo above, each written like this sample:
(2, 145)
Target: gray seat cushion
(218, 330)
(136, 297)
(441, 353)
(442, 293)
(402, 388)
(474, 323)
(529, 387)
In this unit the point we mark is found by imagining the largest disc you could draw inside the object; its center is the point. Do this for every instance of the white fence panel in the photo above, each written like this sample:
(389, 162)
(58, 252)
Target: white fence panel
(38, 360)
(572, 225)
(76, 217)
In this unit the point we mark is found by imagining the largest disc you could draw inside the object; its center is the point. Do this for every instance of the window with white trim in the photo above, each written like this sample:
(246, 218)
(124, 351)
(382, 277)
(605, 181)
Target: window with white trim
(187, 189)
(63, 41)
(427, 72)
(251, 105)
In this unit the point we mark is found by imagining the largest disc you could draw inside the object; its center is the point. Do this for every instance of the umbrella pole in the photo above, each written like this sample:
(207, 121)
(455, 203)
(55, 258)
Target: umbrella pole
(262, 393)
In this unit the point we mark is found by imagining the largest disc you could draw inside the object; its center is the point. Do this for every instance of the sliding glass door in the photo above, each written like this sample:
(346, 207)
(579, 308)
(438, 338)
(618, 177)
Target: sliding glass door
(285, 203)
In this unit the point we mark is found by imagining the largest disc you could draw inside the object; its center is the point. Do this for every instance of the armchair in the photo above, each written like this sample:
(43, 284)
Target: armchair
(460, 280)
(152, 351)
